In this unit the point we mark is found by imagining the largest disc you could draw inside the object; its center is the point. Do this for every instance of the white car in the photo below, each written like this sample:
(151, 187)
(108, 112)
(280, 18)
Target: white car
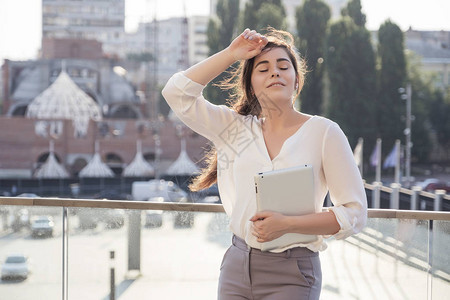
(15, 266)
(42, 226)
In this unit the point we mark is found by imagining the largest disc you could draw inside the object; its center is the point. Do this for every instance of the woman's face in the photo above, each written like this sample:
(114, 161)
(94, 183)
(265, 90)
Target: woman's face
(274, 77)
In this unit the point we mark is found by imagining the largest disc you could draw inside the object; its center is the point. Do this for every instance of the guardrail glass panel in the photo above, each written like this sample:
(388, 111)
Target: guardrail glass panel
(388, 260)
(36, 233)
(180, 253)
(171, 255)
(93, 233)
(440, 260)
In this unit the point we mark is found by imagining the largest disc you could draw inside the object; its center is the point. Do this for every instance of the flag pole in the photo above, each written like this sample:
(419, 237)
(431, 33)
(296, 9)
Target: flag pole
(361, 156)
(397, 161)
(378, 154)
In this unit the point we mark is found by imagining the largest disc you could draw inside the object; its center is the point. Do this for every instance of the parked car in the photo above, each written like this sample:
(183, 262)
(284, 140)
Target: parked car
(432, 184)
(15, 266)
(145, 190)
(28, 195)
(42, 226)
(112, 195)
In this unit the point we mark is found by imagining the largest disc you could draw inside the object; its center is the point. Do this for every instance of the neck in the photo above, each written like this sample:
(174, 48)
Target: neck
(281, 119)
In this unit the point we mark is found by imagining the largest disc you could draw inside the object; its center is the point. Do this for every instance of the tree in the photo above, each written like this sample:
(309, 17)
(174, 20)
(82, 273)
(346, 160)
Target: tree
(312, 20)
(256, 12)
(350, 62)
(440, 122)
(391, 76)
(220, 32)
(272, 15)
(353, 10)
(424, 96)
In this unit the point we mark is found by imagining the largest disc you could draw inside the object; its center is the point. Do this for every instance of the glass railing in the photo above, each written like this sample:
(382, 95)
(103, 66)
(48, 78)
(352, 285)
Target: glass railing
(174, 251)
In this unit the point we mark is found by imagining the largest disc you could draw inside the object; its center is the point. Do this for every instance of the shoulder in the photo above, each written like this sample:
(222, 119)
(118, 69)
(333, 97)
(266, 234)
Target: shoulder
(322, 124)
(323, 121)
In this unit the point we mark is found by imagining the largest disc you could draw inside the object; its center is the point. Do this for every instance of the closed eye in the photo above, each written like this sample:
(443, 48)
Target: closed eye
(263, 71)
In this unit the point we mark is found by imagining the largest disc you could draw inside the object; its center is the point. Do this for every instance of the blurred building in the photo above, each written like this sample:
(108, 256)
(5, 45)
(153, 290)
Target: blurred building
(434, 49)
(169, 45)
(86, 39)
(99, 20)
(198, 39)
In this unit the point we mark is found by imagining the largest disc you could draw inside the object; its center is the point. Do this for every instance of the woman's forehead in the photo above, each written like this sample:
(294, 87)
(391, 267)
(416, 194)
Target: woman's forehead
(272, 54)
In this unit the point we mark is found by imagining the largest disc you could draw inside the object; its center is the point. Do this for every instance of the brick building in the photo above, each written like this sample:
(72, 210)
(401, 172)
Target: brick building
(22, 151)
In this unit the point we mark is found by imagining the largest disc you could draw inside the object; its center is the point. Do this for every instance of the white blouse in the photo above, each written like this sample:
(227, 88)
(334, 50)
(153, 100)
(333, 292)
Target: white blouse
(242, 153)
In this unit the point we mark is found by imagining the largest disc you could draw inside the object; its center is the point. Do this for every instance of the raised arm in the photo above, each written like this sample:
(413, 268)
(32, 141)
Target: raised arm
(183, 91)
(247, 45)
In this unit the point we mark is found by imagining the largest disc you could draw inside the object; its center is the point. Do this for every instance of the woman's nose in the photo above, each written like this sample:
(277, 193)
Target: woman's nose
(275, 73)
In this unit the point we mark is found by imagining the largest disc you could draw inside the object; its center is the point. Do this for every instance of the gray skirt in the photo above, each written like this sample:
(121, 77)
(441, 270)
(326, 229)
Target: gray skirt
(248, 273)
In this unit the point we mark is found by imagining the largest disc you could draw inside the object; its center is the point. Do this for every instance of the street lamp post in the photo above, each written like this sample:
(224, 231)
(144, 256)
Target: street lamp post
(408, 145)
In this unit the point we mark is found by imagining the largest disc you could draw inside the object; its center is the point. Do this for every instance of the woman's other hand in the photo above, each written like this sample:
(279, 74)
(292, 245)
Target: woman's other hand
(268, 225)
(247, 45)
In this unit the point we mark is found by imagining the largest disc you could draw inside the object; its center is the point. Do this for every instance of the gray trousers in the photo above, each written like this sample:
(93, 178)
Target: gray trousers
(248, 273)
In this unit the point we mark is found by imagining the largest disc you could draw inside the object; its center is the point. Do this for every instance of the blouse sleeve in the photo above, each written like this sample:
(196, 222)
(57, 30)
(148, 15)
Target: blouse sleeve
(185, 98)
(344, 183)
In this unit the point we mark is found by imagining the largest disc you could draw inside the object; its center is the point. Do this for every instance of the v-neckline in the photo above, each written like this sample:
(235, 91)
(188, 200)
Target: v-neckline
(300, 129)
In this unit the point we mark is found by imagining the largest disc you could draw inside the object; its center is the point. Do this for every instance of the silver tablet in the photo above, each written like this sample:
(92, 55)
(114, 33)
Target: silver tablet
(288, 191)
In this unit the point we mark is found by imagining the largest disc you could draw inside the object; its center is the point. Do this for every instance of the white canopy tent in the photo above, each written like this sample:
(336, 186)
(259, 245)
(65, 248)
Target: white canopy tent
(183, 165)
(51, 168)
(63, 99)
(139, 167)
(95, 167)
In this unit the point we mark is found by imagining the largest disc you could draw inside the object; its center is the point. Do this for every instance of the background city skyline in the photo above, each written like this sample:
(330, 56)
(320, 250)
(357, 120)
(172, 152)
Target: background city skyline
(21, 36)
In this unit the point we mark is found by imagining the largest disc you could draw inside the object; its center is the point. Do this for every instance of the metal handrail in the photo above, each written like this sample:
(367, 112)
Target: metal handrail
(405, 191)
(196, 207)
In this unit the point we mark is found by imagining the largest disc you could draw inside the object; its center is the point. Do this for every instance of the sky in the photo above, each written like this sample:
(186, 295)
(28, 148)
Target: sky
(20, 20)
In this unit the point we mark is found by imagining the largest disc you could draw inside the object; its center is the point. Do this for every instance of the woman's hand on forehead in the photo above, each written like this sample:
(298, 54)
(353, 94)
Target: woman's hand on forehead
(247, 45)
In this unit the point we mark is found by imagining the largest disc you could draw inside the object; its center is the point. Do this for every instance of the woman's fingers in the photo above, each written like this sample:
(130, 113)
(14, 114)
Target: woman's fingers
(252, 35)
(245, 33)
(247, 45)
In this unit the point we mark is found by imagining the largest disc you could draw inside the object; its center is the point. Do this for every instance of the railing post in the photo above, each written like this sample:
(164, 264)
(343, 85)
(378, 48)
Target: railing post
(65, 254)
(415, 197)
(112, 286)
(376, 194)
(395, 203)
(134, 240)
(438, 194)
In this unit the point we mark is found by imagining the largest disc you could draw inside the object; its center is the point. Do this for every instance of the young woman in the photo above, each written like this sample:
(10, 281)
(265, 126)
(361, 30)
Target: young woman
(263, 131)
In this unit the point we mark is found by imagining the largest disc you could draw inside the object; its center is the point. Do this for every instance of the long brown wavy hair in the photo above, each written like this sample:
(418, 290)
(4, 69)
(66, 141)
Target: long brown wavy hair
(244, 101)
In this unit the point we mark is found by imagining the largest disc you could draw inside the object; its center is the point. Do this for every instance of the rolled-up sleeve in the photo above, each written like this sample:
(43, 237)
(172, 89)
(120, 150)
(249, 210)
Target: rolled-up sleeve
(185, 98)
(344, 183)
